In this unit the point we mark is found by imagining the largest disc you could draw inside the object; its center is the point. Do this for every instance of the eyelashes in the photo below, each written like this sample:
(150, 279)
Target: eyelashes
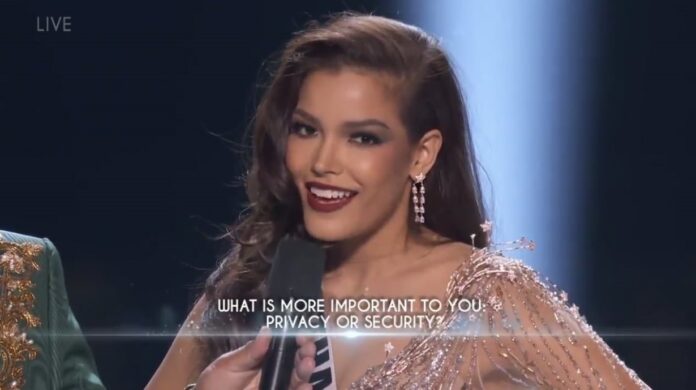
(359, 137)
(366, 138)
(302, 129)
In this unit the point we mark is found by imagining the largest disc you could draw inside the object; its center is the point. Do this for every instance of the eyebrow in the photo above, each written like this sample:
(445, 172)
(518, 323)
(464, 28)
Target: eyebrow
(349, 124)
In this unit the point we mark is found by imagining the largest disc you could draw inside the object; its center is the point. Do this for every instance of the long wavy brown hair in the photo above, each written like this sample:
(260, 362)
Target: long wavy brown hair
(429, 97)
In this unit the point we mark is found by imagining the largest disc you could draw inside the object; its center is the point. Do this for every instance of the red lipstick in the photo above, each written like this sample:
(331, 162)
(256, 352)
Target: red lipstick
(326, 205)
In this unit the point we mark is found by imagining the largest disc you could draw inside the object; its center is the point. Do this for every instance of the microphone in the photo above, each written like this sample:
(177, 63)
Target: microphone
(296, 273)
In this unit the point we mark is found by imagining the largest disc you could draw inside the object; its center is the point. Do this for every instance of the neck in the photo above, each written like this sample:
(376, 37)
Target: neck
(354, 266)
(385, 245)
(384, 250)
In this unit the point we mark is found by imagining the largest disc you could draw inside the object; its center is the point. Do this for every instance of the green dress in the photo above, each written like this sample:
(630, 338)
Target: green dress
(52, 353)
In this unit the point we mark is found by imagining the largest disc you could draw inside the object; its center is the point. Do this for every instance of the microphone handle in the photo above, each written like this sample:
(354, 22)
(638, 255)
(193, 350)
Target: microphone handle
(279, 362)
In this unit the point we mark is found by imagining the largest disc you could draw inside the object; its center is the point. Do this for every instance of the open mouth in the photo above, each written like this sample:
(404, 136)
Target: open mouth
(326, 198)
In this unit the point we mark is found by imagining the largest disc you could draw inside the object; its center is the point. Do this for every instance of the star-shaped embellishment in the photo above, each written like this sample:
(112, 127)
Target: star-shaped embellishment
(495, 302)
(564, 296)
(388, 348)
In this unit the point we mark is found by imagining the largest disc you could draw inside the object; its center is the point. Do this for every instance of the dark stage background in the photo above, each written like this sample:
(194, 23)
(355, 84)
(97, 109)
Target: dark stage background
(107, 148)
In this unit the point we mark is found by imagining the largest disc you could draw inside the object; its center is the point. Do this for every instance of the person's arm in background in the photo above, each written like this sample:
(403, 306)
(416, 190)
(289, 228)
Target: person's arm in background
(64, 360)
(75, 361)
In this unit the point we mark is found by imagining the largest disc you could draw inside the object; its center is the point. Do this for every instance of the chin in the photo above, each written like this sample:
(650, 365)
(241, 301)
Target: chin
(329, 232)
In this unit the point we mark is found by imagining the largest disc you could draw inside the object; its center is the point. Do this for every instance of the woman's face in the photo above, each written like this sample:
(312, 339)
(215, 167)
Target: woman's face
(349, 155)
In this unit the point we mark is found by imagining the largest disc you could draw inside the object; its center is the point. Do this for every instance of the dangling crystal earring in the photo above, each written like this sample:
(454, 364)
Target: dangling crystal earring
(419, 202)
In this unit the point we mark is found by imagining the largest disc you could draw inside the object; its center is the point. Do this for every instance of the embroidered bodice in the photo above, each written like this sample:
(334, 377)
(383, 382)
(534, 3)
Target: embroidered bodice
(527, 336)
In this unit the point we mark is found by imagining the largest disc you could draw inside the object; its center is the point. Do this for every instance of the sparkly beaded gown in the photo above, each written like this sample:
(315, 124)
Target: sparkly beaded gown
(527, 336)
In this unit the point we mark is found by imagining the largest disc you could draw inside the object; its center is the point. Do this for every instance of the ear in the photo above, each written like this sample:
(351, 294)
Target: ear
(425, 153)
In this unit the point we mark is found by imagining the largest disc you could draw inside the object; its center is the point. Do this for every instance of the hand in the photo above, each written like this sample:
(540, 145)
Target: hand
(241, 368)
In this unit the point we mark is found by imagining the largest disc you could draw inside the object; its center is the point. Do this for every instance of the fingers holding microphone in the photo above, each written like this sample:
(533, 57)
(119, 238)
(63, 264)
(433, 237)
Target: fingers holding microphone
(238, 368)
(241, 368)
(304, 363)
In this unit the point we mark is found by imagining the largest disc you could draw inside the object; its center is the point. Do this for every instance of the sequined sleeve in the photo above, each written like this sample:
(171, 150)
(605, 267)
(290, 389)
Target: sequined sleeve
(529, 335)
(525, 336)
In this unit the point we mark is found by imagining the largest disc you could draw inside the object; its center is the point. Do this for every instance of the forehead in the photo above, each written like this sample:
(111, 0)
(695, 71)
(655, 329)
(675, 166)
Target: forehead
(348, 92)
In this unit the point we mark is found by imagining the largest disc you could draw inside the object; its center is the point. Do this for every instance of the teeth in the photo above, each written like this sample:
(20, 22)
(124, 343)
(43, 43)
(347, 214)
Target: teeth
(329, 194)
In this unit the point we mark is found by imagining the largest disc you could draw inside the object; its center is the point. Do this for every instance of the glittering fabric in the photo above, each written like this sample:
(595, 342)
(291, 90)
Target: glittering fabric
(526, 336)
(18, 263)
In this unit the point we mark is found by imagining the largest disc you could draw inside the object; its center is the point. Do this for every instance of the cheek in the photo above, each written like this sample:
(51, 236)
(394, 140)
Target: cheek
(381, 171)
(295, 156)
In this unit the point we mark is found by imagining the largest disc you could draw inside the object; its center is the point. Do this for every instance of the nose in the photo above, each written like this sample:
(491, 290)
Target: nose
(326, 158)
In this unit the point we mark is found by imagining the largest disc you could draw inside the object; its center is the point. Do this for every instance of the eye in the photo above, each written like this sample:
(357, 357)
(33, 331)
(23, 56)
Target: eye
(365, 138)
(302, 129)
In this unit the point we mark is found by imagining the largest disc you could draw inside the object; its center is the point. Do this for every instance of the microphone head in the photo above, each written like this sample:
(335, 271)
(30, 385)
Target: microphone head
(297, 269)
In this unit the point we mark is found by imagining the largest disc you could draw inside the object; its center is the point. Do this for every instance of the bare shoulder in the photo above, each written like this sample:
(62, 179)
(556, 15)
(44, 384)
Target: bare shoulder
(448, 253)
(446, 258)
(431, 275)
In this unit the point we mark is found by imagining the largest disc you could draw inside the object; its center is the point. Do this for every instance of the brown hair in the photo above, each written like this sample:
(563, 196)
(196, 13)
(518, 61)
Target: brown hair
(430, 98)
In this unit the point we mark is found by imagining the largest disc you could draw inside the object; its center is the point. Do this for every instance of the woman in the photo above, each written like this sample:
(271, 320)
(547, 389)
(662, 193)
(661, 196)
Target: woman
(363, 121)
